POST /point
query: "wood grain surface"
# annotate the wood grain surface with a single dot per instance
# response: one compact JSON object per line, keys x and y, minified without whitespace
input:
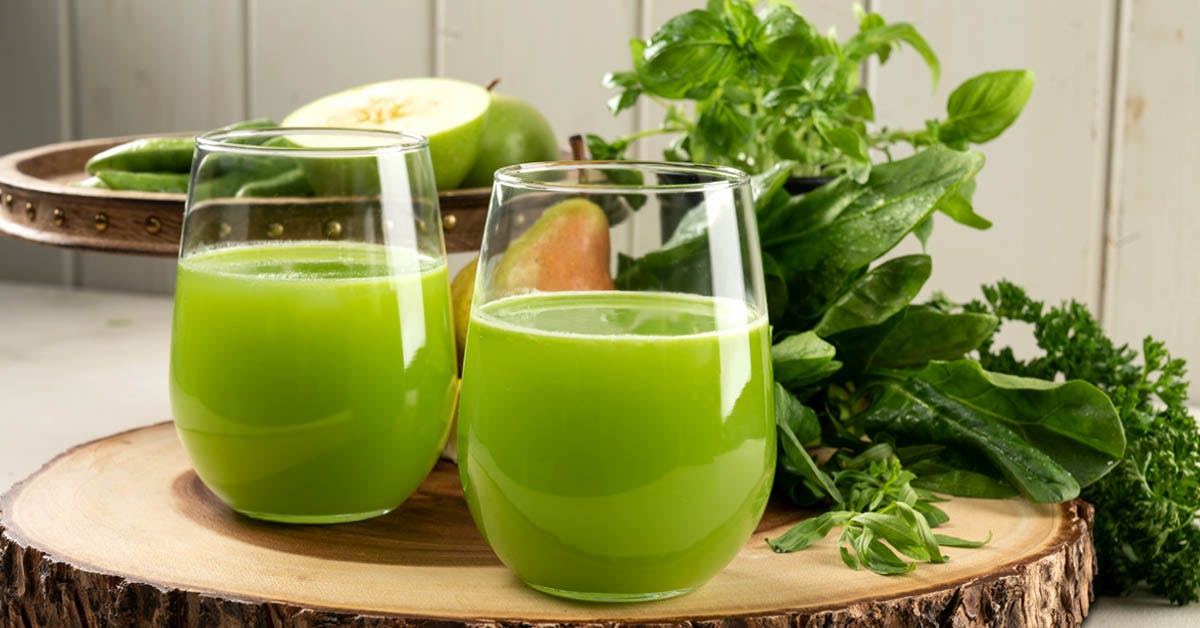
{"x":121,"y":531}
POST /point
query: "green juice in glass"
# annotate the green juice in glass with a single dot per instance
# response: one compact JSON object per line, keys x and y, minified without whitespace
{"x":312,"y":382}
{"x":616,"y":445}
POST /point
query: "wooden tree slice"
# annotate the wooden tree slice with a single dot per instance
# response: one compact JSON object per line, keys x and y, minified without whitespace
{"x":121,"y":532}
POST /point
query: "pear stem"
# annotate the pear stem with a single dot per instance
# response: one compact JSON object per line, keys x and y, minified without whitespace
{"x":578,"y":148}
{"x":492,"y":85}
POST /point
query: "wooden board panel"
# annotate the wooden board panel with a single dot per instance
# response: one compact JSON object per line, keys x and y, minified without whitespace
{"x":1154,"y":284}
{"x":31,"y":112}
{"x":1044,"y":184}
{"x":145,"y":66}
{"x":302,"y":49}
{"x":552,"y":53}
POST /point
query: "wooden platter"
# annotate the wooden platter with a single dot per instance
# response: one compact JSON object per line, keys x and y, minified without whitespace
{"x":120,"y":531}
{"x":38,"y":203}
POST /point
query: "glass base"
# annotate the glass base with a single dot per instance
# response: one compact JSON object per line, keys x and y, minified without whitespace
{"x":314,"y":519}
{"x":614,"y":598}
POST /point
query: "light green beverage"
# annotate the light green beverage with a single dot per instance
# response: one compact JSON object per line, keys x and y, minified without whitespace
{"x":313,"y":381}
{"x":616,"y":445}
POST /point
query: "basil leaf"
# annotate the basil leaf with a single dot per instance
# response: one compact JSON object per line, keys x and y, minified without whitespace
{"x":720,"y":132}
{"x":877,"y":296}
{"x":985,"y":105}
{"x":880,"y":39}
{"x":803,"y":359}
{"x":783,"y":34}
{"x":688,"y":56}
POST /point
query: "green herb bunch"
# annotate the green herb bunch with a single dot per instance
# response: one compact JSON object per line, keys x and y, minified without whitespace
{"x":1146,"y":528}
{"x":884,"y":404}
{"x":752,"y":89}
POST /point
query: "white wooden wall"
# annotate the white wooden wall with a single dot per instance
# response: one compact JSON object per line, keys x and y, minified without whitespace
{"x":1091,"y":192}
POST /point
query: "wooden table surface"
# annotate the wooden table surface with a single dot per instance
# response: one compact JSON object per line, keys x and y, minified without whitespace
{"x":77,"y":365}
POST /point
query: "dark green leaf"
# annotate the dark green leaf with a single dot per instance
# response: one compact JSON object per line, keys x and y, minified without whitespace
{"x":688,"y":56}
{"x":796,"y":460}
{"x":962,"y":483}
{"x":985,"y":105}
{"x":803,"y":359}
{"x":775,"y":285}
{"x":799,"y":418}
{"x":1073,"y":421}
{"x":877,"y":296}
{"x":1042,"y":436}
{"x":926,"y":333}
{"x":843,"y":226}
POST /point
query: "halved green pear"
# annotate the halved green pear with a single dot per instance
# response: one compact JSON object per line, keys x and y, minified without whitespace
{"x":449,"y":112}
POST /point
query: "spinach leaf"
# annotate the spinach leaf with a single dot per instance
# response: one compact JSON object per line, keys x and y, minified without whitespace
{"x":802,"y":360}
{"x":795,"y":416}
{"x":790,"y":416}
{"x":834,"y":231}
{"x":1047,"y":439}
{"x":961,"y":483}
{"x":927,"y":333}
{"x":877,"y":296}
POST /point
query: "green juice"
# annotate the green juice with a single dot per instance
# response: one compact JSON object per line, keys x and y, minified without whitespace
{"x":616,"y":445}
{"x":312,"y":382}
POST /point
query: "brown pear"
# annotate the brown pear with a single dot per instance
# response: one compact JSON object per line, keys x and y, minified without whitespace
{"x":566,"y":249}
{"x":462,"y":289}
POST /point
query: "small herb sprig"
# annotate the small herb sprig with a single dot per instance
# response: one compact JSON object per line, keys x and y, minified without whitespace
{"x":882,"y":516}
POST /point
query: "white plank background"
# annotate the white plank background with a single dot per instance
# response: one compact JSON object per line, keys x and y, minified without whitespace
{"x":1154,"y":285}
{"x":1090,"y":192}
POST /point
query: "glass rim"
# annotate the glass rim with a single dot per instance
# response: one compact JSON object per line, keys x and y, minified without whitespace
{"x":720,"y":177}
{"x":398,"y":142}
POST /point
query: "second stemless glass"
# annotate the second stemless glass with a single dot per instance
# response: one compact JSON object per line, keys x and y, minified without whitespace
{"x":312,"y":360}
{"x":616,"y":429}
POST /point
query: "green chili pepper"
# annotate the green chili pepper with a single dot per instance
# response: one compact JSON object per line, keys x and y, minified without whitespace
{"x":256,"y":123}
{"x":155,"y":154}
{"x":92,"y":182}
{"x":171,"y":182}
{"x":291,"y":183}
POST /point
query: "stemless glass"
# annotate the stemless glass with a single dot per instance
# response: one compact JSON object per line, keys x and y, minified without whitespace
{"x":312,"y":358}
{"x":616,"y":431}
